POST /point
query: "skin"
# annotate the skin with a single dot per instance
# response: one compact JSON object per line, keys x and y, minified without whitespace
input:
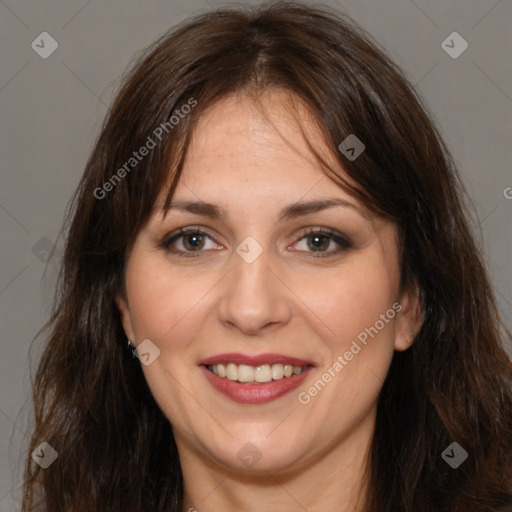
{"x":312,"y":455}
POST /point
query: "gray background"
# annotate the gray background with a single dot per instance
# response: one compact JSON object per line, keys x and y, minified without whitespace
{"x":51,"y":111}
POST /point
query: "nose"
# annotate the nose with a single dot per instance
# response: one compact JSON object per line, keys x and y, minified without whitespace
{"x":254,"y":298}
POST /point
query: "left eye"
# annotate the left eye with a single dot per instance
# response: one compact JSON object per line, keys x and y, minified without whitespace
{"x":193,"y":240}
{"x":318,"y":240}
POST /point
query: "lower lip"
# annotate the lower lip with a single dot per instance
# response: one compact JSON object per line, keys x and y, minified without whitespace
{"x":255,"y":393}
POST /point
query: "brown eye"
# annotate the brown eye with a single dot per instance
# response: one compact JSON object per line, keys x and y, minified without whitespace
{"x":320,"y":239}
{"x":319,"y":242}
{"x":187,"y":241}
{"x":193,"y":241}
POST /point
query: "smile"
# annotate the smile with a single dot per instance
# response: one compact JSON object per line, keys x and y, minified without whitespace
{"x":255,"y":374}
{"x":255,"y":379}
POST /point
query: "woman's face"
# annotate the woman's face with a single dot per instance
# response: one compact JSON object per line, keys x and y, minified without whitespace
{"x":248,"y":292}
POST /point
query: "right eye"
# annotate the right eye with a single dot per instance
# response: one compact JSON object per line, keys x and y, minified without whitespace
{"x":192,"y":240}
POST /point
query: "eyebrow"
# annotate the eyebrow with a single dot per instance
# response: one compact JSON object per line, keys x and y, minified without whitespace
{"x":290,"y":211}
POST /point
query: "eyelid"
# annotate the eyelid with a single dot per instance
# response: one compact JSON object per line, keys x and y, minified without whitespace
{"x":333,"y":233}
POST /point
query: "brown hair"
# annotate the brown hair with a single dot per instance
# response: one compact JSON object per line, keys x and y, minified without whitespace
{"x":91,"y":401}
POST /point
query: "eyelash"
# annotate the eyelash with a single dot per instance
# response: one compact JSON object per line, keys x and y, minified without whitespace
{"x":342,"y":240}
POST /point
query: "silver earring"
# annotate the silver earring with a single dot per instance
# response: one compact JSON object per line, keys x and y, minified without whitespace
{"x":411,"y":334}
{"x":131,"y":348}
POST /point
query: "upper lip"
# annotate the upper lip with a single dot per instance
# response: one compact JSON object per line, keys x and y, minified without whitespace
{"x":255,"y":360}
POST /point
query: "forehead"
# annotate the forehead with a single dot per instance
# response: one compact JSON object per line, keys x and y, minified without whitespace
{"x":255,"y":115}
{"x":265,"y":140}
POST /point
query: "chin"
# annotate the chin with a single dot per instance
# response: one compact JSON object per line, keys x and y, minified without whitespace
{"x":258,"y":452}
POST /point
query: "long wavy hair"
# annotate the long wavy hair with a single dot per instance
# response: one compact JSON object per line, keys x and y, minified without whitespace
{"x":90,"y":398}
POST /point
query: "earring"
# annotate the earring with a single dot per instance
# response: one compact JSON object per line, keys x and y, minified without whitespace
{"x":411,"y":334}
{"x":131,"y":348}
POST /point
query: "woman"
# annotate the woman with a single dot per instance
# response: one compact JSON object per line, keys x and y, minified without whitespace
{"x":271,"y":298}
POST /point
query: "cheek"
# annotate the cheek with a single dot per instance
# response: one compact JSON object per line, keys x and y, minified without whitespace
{"x":352,"y":301}
{"x":358,"y":334}
{"x":165,"y":305}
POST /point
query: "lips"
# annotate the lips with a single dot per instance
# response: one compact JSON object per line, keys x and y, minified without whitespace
{"x":256,"y":360}
{"x":255,"y":392}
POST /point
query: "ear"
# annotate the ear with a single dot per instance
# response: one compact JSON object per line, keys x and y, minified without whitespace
{"x":126,"y":317}
{"x":409,"y":319}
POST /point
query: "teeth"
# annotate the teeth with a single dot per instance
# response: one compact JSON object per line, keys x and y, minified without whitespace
{"x":245,"y":373}
{"x":221,"y":370}
{"x":277,"y":371}
{"x":263,"y":373}
{"x":232,"y":371}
